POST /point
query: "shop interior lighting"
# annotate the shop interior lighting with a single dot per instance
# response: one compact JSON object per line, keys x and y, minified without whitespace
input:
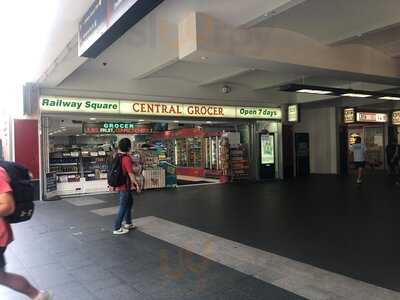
{"x":338,"y":92}
{"x":317,"y":92}
{"x":93,"y":119}
{"x":356,"y":95}
{"x":176,"y":121}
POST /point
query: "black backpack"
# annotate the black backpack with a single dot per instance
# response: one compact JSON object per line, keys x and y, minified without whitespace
{"x":23,"y":192}
{"x":116,"y":176}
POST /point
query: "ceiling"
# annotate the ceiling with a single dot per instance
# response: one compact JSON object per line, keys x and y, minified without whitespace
{"x":330,"y":21}
{"x":64,"y":29}
{"x":145,"y":63}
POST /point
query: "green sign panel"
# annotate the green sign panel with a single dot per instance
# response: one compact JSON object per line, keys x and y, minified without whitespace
{"x":259,"y":113}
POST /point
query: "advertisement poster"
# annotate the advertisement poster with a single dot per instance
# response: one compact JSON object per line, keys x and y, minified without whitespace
{"x":267,"y":149}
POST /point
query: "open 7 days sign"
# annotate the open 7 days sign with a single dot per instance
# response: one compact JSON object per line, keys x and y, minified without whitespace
{"x":140,"y":108}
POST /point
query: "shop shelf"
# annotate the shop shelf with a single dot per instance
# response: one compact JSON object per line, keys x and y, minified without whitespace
{"x":67,"y":173}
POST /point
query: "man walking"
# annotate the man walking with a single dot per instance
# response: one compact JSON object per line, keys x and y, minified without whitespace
{"x":125,"y":190}
{"x":359,"y":158}
{"x":12,"y":281}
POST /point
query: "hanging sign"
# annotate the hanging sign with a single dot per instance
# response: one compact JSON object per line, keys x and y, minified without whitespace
{"x":396,"y":118}
{"x":293,"y":113}
{"x":349,"y":115}
{"x":107,"y":20}
{"x":369,"y":117}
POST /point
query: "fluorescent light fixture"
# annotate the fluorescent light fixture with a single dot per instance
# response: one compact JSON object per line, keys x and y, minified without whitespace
{"x":209,"y":122}
{"x":141,"y":120}
{"x":389,"y":98}
{"x":317,"y":92}
{"x":92,"y":119}
{"x":176,"y":121}
{"x":356,"y":95}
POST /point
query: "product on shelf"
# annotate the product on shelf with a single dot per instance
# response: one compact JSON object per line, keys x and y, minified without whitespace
{"x":239,"y":162}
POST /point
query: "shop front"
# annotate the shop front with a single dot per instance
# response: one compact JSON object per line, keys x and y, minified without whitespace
{"x":173,"y":144}
{"x":372,"y":127}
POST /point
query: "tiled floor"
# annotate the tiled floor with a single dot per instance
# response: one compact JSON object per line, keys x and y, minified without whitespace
{"x":71,"y":251}
{"x":299,"y":278}
{"x":322,"y":238}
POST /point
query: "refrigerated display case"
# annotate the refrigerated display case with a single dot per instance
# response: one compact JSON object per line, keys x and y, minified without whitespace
{"x":216,"y":156}
{"x":188,"y":153}
{"x":181,"y":153}
{"x":212,"y":152}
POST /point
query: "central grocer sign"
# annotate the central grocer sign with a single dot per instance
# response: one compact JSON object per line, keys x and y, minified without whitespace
{"x":143,"y":108}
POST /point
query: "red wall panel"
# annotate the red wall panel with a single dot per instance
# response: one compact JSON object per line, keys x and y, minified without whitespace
{"x":26,"y":145}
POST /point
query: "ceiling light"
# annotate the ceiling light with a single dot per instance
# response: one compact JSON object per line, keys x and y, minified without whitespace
{"x":141,"y":120}
{"x":356,"y":95}
{"x":92,"y":119}
{"x":209,"y":122}
{"x":317,"y":92}
{"x":389,"y":98}
{"x":176,"y":121}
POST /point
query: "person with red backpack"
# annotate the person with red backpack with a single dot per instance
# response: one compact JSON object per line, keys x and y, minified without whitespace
{"x":10,"y":211}
{"x":122,"y":179}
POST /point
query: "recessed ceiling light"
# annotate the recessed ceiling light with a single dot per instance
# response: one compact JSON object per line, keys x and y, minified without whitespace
{"x":389,"y":98}
{"x":317,"y":92}
{"x":356,"y":95}
{"x":93,"y":119}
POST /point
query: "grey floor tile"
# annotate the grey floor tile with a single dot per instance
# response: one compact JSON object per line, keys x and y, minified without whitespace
{"x":52,"y":275}
{"x":92,"y":273}
{"x":259,"y":289}
{"x":85,"y":201}
{"x":72,"y":290}
{"x":119,"y":292}
{"x":106,"y":211}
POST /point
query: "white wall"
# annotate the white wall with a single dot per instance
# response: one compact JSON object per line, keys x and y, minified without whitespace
{"x":320,"y":123}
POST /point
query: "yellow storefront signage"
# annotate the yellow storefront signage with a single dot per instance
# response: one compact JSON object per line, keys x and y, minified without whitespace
{"x":141,"y":108}
{"x":396,"y":118}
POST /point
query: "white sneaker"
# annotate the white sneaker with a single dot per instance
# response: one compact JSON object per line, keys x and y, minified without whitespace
{"x":120,"y":231}
{"x":44,"y":295}
{"x":129,"y":226}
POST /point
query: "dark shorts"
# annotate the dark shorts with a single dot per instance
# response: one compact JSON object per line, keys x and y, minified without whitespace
{"x":359,"y":164}
{"x":2,"y":259}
